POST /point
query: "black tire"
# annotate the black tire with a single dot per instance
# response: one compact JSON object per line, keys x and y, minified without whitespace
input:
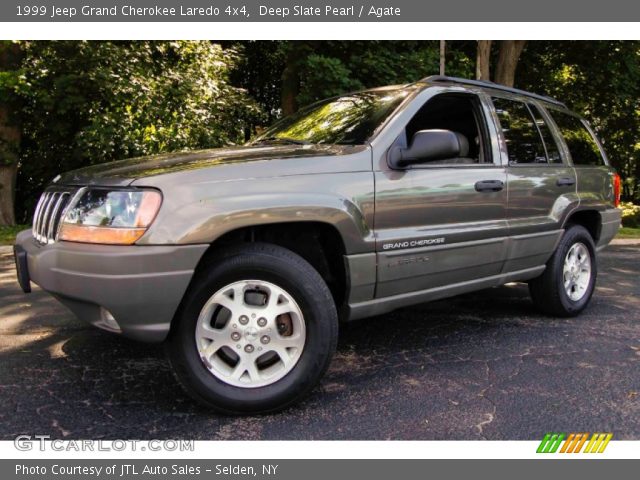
{"x":277,"y":265}
{"x":548,"y":292}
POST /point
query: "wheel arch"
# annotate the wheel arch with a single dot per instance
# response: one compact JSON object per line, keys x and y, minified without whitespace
{"x":207,"y":220}
{"x":590,"y":219}
{"x":319,"y":243}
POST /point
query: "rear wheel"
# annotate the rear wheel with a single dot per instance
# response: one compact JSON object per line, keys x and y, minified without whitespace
{"x":256,"y":332}
{"x":567,"y":284}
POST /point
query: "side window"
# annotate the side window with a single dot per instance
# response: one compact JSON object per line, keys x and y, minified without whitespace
{"x":582,"y":146}
{"x":458,"y":113}
{"x":524,"y":144}
{"x":553,"y":153}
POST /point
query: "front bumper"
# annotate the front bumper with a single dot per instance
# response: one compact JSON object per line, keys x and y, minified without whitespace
{"x":140,"y":286}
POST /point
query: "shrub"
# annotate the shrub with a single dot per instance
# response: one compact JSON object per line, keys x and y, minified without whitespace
{"x":630,"y":215}
{"x":91,"y":102}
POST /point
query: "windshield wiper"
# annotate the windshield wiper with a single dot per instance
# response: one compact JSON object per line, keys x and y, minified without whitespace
{"x":288,"y":140}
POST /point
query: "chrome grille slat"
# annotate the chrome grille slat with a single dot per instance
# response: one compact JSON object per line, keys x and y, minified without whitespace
{"x":36,"y":215}
{"x":64,"y":203}
{"x":54,"y":215}
{"x":45,"y":198}
{"x":45,"y":204}
{"x":45,"y":217}
{"x":48,"y":214}
{"x":36,"y":221}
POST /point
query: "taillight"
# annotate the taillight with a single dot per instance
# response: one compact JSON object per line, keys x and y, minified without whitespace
{"x":616,"y":189}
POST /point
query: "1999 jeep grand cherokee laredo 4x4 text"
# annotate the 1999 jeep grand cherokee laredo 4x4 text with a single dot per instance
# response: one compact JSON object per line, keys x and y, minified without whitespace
{"x":244,"y":259}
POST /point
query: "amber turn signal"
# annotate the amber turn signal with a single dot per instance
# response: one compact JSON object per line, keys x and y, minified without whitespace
{"x":105,"y":235}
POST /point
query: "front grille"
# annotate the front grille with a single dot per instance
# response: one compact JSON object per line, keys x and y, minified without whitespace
{"x":48,"y":214}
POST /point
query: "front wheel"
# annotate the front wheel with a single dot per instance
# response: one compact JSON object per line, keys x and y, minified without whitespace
{"x":566,"y":286}
{"x":256,"y":331}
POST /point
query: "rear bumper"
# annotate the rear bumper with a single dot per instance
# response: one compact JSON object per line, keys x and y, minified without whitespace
{"x":611,"y":220}
{"x":140,"y":286}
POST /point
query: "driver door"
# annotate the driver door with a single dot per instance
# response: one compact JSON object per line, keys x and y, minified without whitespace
{"x":442,"y":223}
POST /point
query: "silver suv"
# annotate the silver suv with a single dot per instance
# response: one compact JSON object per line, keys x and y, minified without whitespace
{"x":244,"y":260}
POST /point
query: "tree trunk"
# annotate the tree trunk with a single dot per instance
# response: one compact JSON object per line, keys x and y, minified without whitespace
{"x":483,"y":60}
{"x":10,"y":55}
{"x":8,"y":174}
{"x":508,"y":57}
{"x":290,"y":82}
{"x":442,"y":57}
{"x":636,"y":184}
{"x":9,"y":145}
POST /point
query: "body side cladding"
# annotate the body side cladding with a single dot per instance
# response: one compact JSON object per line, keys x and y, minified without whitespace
{"x":361,"y":277}
{"x":379,"y":306}
{"x":524,"y":258}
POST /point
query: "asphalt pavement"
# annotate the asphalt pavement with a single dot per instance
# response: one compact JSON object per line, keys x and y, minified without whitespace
{"x":485,"y":365}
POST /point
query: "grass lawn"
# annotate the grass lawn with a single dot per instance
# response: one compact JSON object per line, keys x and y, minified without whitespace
{"x":626,"y":232}
{"x":8,"y":234}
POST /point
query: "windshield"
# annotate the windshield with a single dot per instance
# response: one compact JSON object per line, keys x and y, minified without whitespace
{"x":348,"y":120}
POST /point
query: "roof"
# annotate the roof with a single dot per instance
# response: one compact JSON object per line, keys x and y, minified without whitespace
{"x":486,"y":84}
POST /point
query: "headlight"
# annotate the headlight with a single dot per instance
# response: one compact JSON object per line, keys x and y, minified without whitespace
{"x":110,"y":216}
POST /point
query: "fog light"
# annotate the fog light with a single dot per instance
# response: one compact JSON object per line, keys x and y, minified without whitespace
{"x":108,"y":320}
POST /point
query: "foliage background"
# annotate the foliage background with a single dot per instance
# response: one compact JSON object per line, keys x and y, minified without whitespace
{"x":80,"y":103}
{"x":86,"y":103}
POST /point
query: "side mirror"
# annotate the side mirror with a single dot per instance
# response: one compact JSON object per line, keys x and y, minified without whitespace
{"x":428,"y":146}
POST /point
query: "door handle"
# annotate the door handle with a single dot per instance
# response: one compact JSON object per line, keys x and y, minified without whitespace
{"x":489,"y":186}
{"x":566,"y":182}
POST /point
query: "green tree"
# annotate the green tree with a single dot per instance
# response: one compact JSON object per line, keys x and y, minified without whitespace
{"x":90,"y":102}
{"x":259,"y":71}
{"x":311,"y":70}
{"x":70,"y":104}
{"x":601,"y":80}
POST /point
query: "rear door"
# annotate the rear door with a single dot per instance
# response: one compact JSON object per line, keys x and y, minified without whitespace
{"x":588,"y":159}
{"x":541,"y":185}
{"x":442,"y":223}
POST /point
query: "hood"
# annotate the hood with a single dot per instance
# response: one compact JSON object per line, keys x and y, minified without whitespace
{"x":124,"y":172}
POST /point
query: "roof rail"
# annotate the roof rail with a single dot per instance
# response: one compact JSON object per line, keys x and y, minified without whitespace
{"x":488,"y":84}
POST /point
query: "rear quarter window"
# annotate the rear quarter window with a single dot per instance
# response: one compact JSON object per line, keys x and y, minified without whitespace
{"x":582,"y":146}
{"x":524,"y":143}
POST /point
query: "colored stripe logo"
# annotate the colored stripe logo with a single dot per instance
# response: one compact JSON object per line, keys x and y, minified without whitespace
{"x":574,"y":443}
